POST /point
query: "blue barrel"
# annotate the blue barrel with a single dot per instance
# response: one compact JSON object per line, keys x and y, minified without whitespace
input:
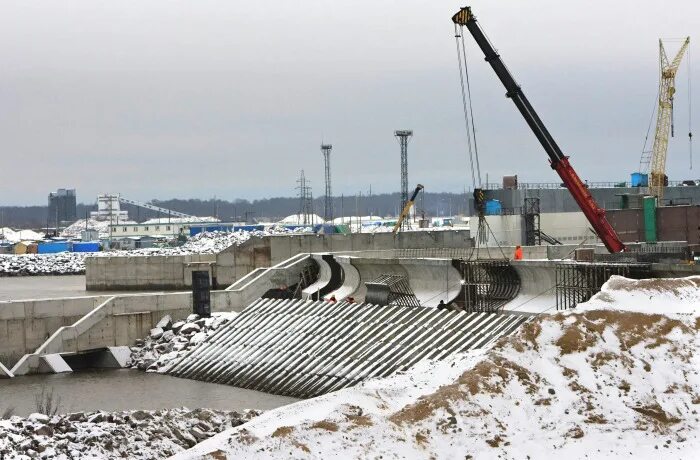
{"x":493,"y":208}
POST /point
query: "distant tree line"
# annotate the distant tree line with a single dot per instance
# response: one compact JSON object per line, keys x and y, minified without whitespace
{"x":268,"y":209}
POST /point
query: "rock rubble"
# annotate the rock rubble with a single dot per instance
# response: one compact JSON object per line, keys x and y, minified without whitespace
{"x":138,"y":434}
{"x":73,"y":263}
{"x":64,"y":263}
{"x":169,"y":340}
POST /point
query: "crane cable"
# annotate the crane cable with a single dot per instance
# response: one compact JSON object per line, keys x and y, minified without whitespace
{"x":484,"y":229}
{"x":471,"y":111}
{"x":476,"y":174}
{"x":690,"y":113}
{"x":645,"y":158}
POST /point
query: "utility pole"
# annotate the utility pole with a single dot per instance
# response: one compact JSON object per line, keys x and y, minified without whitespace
{"x":328,"y":200}
{"x":305,"y":199}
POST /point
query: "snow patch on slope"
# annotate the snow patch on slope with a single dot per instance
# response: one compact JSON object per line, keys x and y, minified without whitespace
{"x":655,"y":295}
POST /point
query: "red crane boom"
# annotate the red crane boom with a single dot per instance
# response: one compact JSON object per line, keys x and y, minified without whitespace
{"x":559,"y":162}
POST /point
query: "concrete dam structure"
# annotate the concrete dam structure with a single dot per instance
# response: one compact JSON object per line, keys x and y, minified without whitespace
{"x":305,"y":348}
{"x":38,"y":336}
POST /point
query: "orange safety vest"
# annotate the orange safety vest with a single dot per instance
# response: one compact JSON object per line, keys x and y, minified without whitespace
{"x":518,"y":253}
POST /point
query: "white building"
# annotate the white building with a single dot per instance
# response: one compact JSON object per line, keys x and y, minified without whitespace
{"x":108,"y":209}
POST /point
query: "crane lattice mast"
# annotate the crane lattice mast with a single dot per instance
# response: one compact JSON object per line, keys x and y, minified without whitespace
{"x":664,"y":118}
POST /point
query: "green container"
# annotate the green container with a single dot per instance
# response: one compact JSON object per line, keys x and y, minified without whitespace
{"x":649,"y":219}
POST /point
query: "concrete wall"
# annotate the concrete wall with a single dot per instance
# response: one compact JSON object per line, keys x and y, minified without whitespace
{"x":144,"y":272}
{"x":567,"y":227}
{"x":174,"y":272}
{"x":505,"y":230}
{"x":285,"y":246}
{"x":26,"y":325}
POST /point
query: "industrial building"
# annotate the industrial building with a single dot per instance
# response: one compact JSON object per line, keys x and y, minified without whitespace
{"x":553,"y":197}
{"x":108,"y":208}
{"x":62,"y":207}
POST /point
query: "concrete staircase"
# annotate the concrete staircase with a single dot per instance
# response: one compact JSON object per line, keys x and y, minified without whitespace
{"x":306,"y":348}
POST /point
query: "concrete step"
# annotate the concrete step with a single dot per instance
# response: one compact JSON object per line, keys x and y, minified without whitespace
{"x":306,"y":348}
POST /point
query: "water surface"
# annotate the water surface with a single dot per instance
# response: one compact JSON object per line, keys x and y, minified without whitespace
{"x":126,"y":389}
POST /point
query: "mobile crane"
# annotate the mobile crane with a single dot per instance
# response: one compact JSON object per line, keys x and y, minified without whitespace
{"x":559,"y":162}
{"x":407,"y":208}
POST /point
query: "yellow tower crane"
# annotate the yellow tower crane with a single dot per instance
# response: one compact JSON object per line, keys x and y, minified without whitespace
{"x":664,"y":118}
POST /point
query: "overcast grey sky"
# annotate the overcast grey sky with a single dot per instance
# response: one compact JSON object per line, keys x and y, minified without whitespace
{"x":171,"y":98}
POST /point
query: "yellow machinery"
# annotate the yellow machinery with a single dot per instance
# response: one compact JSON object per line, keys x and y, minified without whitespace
{"x":407,"y":208}
{"x":664,"y":118}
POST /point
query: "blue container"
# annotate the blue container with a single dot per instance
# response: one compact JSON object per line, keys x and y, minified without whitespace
{"x":89,"y":246}
{"x":640,"y":180}
{"x":53,"y":248}
{"x":493,"y":208}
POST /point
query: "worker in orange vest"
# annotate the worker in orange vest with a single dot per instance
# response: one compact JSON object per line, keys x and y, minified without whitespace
{"x":518,"y":253}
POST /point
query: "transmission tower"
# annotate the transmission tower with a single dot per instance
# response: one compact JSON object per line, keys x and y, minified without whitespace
{"x":328,"y":202}
{"x":404,"y":136}
{"x":306,"y":201}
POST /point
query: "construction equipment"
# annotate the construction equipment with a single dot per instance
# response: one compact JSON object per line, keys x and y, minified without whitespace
{"x":664,"y":120}
{"x":559,"y":162}
{"x":407,"y":208}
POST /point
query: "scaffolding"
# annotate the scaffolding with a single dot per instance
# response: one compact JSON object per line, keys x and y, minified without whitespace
{"x":531,"y":215}
{"x":578,"y":282}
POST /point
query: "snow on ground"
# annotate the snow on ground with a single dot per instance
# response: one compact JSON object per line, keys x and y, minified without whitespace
{"x":604,"y":381}
{"x":69,"y":263}
{"x":206,"y":243}
{"x":648,"y":295}
{"x":136,"y":434}
{"x":169,"y":341}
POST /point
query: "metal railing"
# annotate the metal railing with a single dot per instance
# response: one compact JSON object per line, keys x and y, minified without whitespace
{"x":424,"y":253}
{"x":560,"y":185}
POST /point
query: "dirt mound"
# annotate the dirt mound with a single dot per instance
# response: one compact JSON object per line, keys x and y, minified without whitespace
{"x":591,"y":383}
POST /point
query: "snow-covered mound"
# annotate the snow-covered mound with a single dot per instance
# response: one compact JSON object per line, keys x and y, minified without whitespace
{"x":75,"y":230}
{"x":666,"y":296}
{"x":206,"y":243}
{"x":169,"y":341}
{"x":138,"y":434}
{"x":595,"y":383}
{"x":63,"y":263}
{"x":298,"y":219}
{"x":66,"y":263}
{"x":15,"y":236}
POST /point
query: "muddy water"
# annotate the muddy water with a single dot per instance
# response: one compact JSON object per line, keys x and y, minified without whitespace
{"x":125,"y":389}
